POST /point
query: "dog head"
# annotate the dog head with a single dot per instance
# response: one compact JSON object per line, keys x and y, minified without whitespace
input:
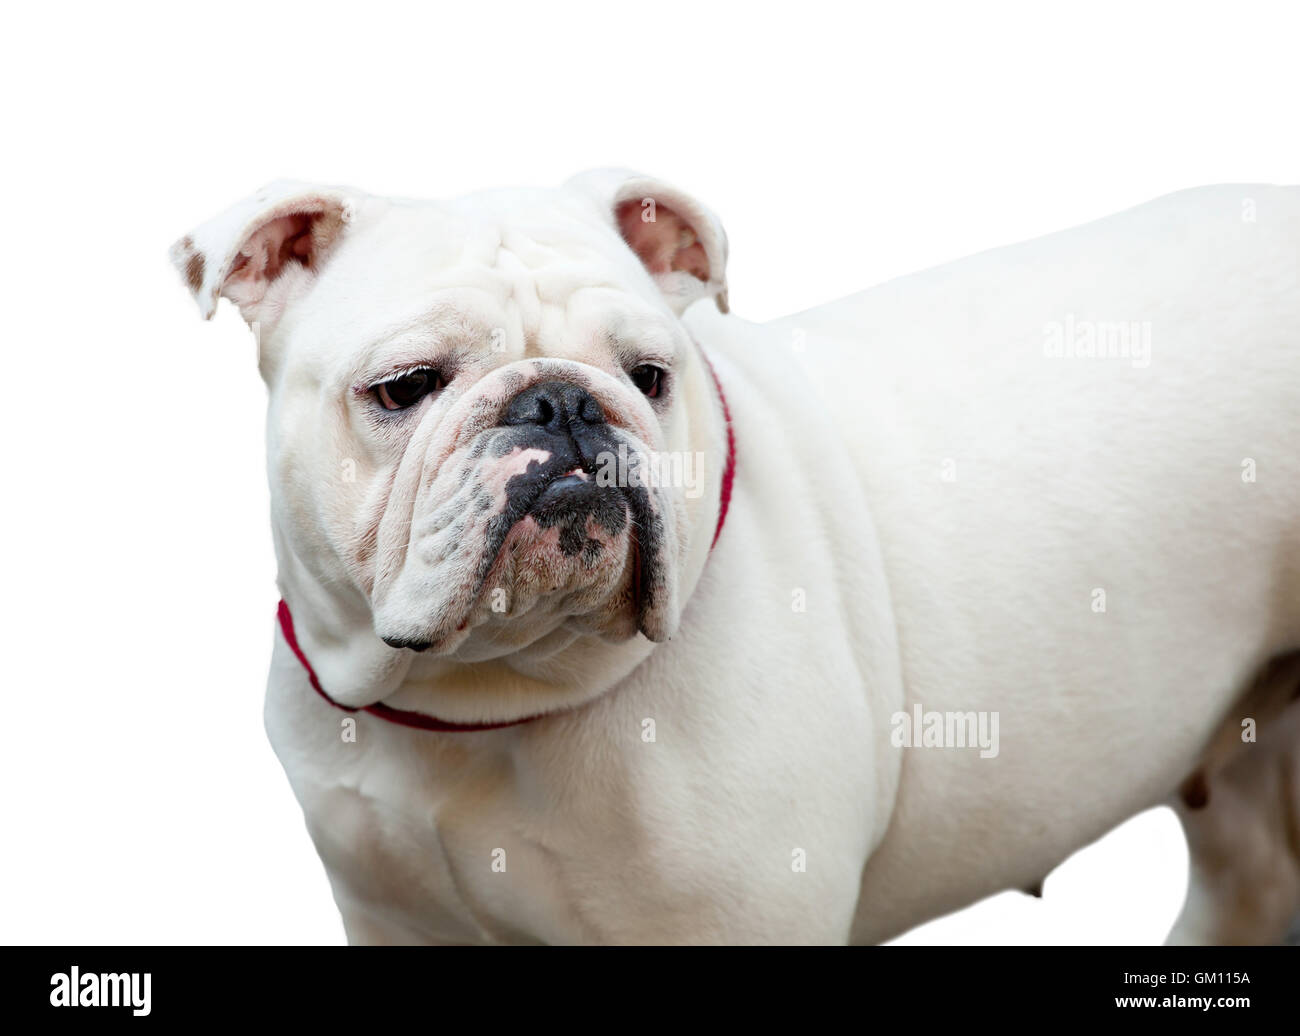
{"x":490,"y":435}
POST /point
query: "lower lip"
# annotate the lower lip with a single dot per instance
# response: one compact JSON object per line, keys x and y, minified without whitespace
{"x":563,"y":483}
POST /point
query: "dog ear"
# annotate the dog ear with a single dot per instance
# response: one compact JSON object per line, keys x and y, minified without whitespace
{"x":679,"y":241}
{"x":261,"y":250}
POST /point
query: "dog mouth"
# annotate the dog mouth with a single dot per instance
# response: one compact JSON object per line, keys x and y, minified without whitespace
{"x":588,"y":518}
{"x":571,"y":503}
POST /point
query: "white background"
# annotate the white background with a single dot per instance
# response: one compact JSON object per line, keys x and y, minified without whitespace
{"x":842,"y":145}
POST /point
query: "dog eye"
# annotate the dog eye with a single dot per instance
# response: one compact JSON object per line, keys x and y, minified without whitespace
{"x":409,"y":389}
{"x":648,"y":378}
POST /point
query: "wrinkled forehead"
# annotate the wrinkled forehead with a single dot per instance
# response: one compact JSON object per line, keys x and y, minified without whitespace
{"x":502,"y":267}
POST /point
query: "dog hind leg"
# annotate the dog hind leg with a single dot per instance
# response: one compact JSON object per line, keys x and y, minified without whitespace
{"x":1241,"y":814}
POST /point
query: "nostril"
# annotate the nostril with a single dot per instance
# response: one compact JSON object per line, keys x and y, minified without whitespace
{"x":553,"y":405}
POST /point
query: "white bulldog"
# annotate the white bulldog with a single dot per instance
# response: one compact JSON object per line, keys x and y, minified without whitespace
{"x":609,"y":622}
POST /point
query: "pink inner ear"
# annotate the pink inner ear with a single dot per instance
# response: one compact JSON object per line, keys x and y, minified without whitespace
{"x":282,"y":240}
{"x":665,"y":242}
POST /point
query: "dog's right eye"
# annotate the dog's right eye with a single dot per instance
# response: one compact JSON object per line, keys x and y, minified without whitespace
{"x":407,"y":390}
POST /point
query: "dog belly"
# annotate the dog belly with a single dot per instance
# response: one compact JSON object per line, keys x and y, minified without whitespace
{"x":1101,"y":549}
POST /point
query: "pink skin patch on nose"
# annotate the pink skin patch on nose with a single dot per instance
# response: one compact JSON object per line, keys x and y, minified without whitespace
{"x":514,"y":463}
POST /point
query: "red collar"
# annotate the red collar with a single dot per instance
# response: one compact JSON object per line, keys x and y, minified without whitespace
{"x":728,"y":472}
{"x":407,"y":718}
{"x":403,"y":717}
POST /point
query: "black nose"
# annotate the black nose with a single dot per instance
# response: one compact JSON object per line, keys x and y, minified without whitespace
{"x":556,"y":406}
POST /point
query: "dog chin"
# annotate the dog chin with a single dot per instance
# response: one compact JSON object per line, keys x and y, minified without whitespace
{"x":581,"y":571}
{"x":548,"y":575}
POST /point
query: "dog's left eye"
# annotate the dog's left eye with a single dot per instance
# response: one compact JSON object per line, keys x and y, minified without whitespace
{"x":407,"y":390}
{"x":648,"y":378}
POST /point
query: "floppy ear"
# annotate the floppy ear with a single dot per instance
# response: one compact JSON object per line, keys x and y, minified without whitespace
{"x":260,"y":249}
{"x":679,"y":241}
